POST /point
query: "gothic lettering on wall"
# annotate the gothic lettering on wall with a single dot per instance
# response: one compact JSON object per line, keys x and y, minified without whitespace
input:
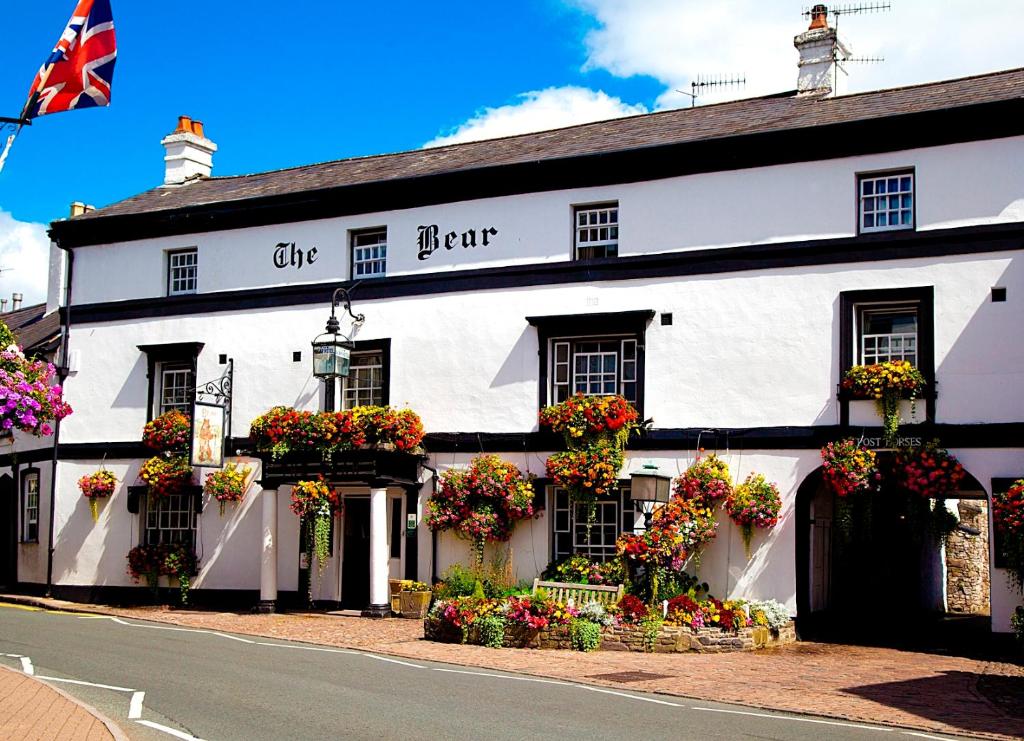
{"x":430,"y":239}
{"x":286,"y":254}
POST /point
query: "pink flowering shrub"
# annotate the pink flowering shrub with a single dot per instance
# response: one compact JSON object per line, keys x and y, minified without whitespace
{"x":28,"y":401}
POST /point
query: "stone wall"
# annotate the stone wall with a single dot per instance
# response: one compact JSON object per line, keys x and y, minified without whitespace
{"x":670,"y":638}
{"x":967,"y":572}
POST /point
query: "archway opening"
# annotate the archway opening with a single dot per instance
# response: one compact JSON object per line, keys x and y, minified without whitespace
{"x":879,"y":569}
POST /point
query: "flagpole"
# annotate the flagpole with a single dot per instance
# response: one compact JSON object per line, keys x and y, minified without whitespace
{"x":16,"y":124}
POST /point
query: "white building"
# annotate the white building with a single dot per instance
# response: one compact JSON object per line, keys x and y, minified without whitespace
{"x":725,"y":263}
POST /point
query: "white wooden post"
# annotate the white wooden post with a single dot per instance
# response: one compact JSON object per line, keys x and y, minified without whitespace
{"x":268,"y":554}
{"x":379,"y":605}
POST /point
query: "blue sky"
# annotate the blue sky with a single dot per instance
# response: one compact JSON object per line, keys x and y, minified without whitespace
{"x":293,"y":83}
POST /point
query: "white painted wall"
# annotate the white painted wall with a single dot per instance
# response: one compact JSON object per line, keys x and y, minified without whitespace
{"x":957,"y":185}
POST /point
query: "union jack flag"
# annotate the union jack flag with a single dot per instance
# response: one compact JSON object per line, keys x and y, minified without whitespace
{"x":80,"y":70}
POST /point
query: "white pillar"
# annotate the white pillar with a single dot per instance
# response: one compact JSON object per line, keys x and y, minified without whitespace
{"x":268,"y":553}
{"x":379,"y":605}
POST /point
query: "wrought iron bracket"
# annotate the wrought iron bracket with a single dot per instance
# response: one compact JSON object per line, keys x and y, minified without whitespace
{"x":220,"y":391}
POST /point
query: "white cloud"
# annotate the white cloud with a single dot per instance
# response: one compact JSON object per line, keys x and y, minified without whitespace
{"x":539,"y":110}
{"x":24,"y":259}
{"x":674,"y":41}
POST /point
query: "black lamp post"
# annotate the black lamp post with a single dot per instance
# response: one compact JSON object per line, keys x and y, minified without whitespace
{"x":332,"y":350}
{"x":650,"y":487}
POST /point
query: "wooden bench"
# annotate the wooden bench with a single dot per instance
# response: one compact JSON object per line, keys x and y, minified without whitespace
{"x":580,"y":594}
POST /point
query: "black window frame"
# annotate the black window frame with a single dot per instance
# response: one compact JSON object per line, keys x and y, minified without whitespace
{"x":183,"y":353}
{"x":851,"y":302}
{"x":621,"y":497}
{"x":191,"y":496}
{"x":577,"y":327}
{"x":23,"y":478}
{"x":891,"y":172}
{"x":332,"y":389}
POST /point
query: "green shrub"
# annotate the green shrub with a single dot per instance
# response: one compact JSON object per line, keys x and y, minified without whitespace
{"x":584,"y":635}
{"x":492,"y":631}
{"x":650,"y":626}
{"x":456,"y":581}
{"x":478,"y":590}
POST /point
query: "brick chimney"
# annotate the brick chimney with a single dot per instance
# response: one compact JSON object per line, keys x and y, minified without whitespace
{"x":189,"y":152}
{"x":821,"y":50}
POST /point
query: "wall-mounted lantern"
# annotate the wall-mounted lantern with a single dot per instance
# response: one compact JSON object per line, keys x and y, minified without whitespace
{"x":332,"y":351}
{"x":650,"y":487}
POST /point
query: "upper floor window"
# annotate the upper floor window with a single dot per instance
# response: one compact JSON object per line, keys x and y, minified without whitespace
{"x":597,"y":231}
{"x":171,"y":519}
{"x":887,"y":333}
{"x":594,"y":367}
{"x":614,"y":515}
{"x":30,"y":507}
{"x":176,"y":387}
{"x":369,"y":253}
{"x":182,"y":272}
{"x":364,"y":384}
{"x":886,"y":201}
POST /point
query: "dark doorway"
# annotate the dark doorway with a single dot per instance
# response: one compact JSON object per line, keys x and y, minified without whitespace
{"x":8,"y":532}
{"x":355,"y":570}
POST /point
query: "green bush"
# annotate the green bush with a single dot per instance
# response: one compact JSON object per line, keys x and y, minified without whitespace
{"x":456,"y":581}
{"x":584,"y":635}
{"x":492,"y":631}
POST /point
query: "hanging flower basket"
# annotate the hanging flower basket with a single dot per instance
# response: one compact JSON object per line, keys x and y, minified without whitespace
{"x":315,"y":502}
{"x":96,"y":486}
{"x":170,"y":431}
{"x":930,"y":470}
{"x":29,"y":400}
{"x":1008,"y":518}
{"x":707,"y":481}
{"x":481,"y":503}
{"x":587,"y":474}
{"x":166,"y":475}
{"x":887,"y":383}
{"x":227,"y":484}
{"x":583,"y":419}
{"x":754,"y":503}
{"x":849,"y":468}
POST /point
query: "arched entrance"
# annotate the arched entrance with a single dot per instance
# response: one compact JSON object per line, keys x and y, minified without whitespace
{"x":876,"y":572}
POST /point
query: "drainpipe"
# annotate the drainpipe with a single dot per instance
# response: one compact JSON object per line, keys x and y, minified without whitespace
{"x":433,"y":533}
{"x":62,"y":374}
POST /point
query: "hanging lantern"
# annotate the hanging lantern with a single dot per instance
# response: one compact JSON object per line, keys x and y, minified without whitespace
{"x":649,"y":487}
{"x":332,"y":351}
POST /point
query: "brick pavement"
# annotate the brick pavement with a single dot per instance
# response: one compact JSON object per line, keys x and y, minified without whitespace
{"x":877,"y":685}
{"x":33,"y":710}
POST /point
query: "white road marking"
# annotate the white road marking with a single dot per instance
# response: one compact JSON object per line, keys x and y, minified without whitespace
{"x":797,"y":719}
{"x":310,"y":648}
{"x":26,"y":665}
{"x":14,"y":656}
{"x":113,"y":687}
{"x":234,"y":638}
{"x":392,"y":661}
{"x":135,"y":706}
{"x":925,"y":735}
{"x":169,"y":731}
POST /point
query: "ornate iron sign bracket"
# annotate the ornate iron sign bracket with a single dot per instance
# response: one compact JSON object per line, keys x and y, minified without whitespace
{"x":220,"y":391}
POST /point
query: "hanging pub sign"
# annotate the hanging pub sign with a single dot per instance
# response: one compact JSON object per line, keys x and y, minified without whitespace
{"x":207,"y":435}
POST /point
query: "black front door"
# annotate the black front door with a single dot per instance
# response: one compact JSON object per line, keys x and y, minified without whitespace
{"x":8,"y":532}
{"x":355,"y":570}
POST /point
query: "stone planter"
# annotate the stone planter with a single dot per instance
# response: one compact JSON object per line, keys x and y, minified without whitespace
{"x":414,"y":604}
{"x":670,"y":638}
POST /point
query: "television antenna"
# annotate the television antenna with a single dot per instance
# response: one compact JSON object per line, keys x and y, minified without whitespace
{"x":705,"y":82}
{"x":837,"y":12}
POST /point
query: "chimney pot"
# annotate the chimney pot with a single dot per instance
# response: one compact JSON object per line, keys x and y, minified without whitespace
{"x":16,"y":301}
{"x":819,"y":17}
{"x":3,"y":305}
{"x":188,"y":153}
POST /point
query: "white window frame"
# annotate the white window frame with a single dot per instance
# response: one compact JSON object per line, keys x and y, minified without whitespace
{"x":564,"y":378}
{"x":596,"y":227}
{"x":183,"y":272}
{"x":568,"y":520}
{"x":868,"y":203}
{"x":164,"y":370}
{"x":30,"y":506}
{"x":860,"y":312}
{"x":369,"y":260}
{"x":170,"y":519}
{"x":354,"y":390}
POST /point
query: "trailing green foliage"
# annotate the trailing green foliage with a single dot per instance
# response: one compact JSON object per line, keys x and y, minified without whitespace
{"x":584,"y":635}
{"x":492,"y":630}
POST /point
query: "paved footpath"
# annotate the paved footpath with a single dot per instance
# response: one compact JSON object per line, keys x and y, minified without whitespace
{"x":31,"y":709}
{"x":937,"y":693}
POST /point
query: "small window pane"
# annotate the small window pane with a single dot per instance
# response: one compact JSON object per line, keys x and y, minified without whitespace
{"x":597,"y":232}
